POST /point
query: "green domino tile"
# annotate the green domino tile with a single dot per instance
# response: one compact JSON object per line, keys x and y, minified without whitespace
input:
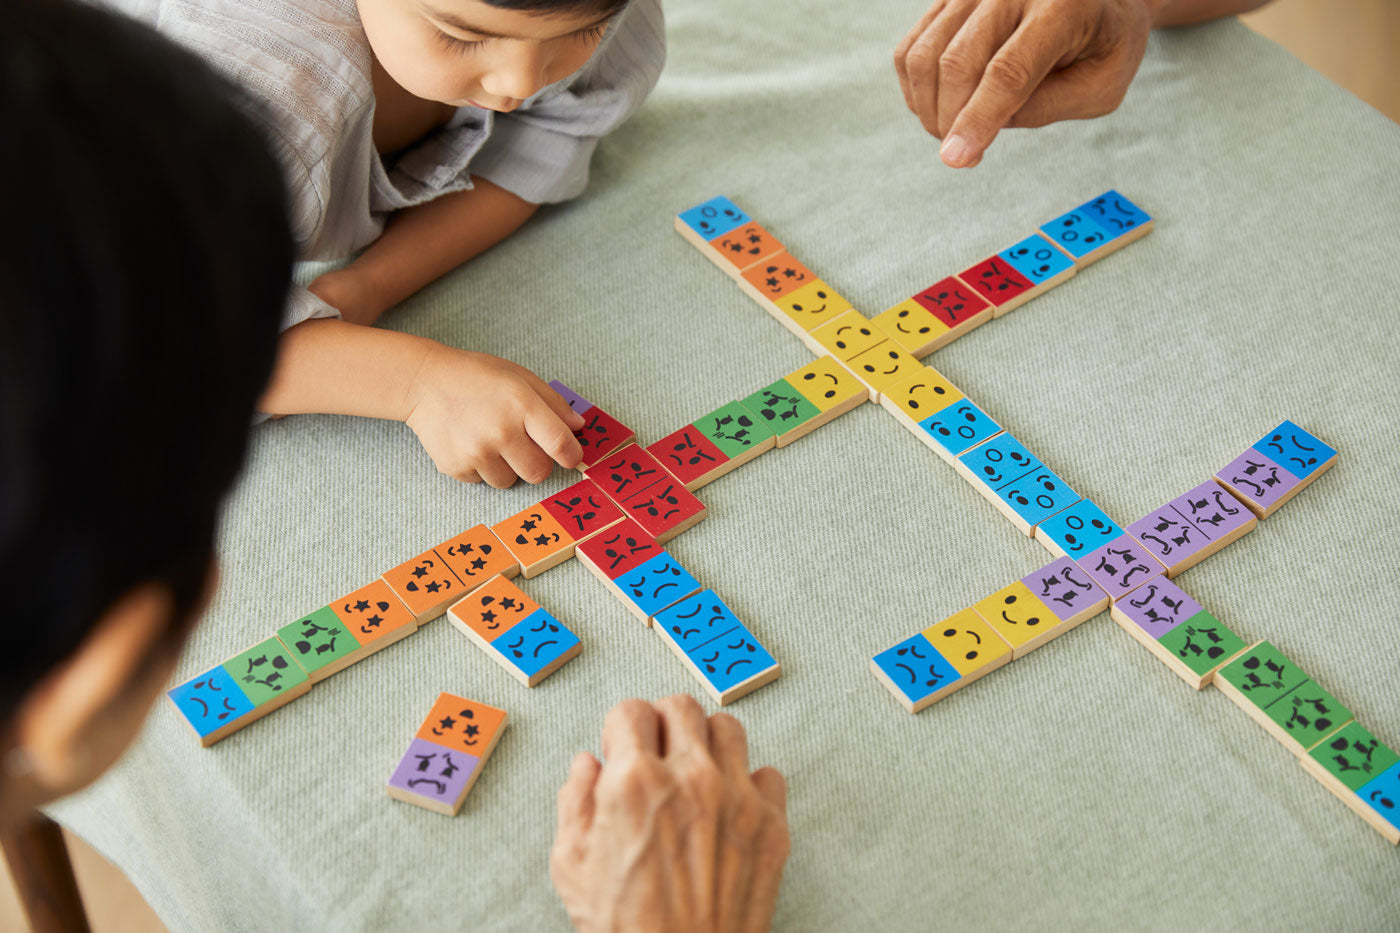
{"x":1263,"y":674}
{"x":318,"y":639}
{"x":265,"y":671}
{"x":1309,"y":714}
{"x":1202,"y":642}
{"x":780,"y":407}
{"x":1354,"y":756}
{"x":734,"y":430}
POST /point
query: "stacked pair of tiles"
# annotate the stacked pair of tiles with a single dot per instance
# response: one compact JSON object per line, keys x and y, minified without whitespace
{"x":718,"y":649}
{"x":1344,"y":756}
{"x":446,"y":755}
{"x":774,"y":416}
{"x":515,"y":631}
{"x":1002,"y":627}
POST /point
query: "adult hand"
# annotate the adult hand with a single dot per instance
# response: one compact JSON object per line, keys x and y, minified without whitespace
{"x":971,"y":67}
{"x":673,"y":833}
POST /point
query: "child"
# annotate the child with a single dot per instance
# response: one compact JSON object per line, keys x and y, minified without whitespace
{"x":423,"y":132}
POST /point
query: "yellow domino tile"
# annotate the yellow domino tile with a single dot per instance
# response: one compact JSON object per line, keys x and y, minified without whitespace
{"x":847,"y":335}
{"x":969,"y":643}
{"x":882,"y":366}
{"x":827,"y":384}
{"x":813,"y":305}
{"x":912,"y":326}
{"x":921,"y":394}
{"x":1020,"y":618}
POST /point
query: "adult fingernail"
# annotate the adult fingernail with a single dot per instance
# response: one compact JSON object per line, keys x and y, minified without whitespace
{"x":956,"y":151}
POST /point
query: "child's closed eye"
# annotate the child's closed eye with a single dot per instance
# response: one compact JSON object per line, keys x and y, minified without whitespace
{"x":455,"y":44}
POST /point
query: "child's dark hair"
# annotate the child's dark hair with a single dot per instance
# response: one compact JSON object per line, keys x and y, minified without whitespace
{"x":546,"y":7}
{"x":144,"y":265}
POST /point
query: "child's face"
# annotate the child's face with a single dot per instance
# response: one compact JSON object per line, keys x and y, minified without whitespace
{"x":467,"y":53}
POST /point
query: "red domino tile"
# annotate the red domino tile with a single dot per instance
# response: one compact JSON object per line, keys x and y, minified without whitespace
{"x":600,"y":435}
{"x":687,"y":453}
{"x":996,"y":280}
{"x":951,"y":301}
{"x":778,"y":275}
{"x":747,"y":245}
{"x":583,"y":509}
{"x":619,"y":549}
{"x":626,"y":471}
{"x":664,"y":509}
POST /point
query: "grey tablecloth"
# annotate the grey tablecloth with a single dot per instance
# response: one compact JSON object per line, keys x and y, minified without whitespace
{"x":1084,"y":786}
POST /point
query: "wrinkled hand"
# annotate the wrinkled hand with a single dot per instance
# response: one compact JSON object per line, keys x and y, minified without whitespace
{"x":484,"y":418}
{"x":972,"y":67}
{"x":673,"y":833}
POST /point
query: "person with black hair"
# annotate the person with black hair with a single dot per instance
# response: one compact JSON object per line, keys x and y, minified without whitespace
{"x":422,"y":132}
{"x":124,"y":413}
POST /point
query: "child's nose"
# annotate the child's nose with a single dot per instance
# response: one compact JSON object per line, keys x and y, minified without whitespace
{"x":517,"y":76}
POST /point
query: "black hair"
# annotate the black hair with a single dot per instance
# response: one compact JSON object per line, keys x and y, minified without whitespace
{"x":144,"y":265}
{"x":546,"y":7}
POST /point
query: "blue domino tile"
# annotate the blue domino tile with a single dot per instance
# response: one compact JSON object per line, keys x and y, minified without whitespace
{"x":535,"y":642}
{"x":731,"y":658}
{"x":1079,"y":529}
{"x":1295,"y":450}
{"x":1037,"y":495}
{"x":696,"y":620}
{"x":1036,"y":259}
{"x":211,"y":701}
{"x":959,"y":426}
{"x":715,"y":217}
{"x":1076,"y":233}
{"x":657,"y":584}
{"x":1115,"y":213}
{"x":1382,"y":794}
{"x":916,"y":668}
{"x":998,"y":461}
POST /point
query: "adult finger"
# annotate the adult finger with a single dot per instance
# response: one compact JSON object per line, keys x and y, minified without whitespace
{"x":772,"y":787}
{"x":965,"y":60}
{"x":575,"y":800}
{"x":923,"y":57}
{"x":552,"y":435}
{"x":901,"y":51}
{"x":495,"y":471}
{"x":770,"y":855}
{"x":1011,"y":76}
{"x":526,"y":458}
{"x":683,"y":727}
{"x":1086,"y":89}
{"x":632,"y":726}
{"x":730,"y":746}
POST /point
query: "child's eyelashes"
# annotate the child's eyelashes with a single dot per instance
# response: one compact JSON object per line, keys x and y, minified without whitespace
{"x":462,"y":46}
{"x":592,"y":33}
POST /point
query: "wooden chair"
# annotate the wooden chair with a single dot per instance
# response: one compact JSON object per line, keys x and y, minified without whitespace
{"x":43,"y":873}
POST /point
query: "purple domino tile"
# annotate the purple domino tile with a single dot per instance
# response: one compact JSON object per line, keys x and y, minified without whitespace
{"x":1167,"y":534}
{"x":1121,"y":566}
{"x":434,"y":771}
{"x":577,"y":402}
{"x":1065,"y":588}
{"x":1213,"y":510}
{"x":1158,"y":606}
{"x":1257,"y":479}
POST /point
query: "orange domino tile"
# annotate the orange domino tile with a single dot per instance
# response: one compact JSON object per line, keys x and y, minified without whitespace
{"x":476,"y":555}
{"x":462,"y":725}
{"x":745,"y":246}
{"x":778,"y":275}
{"x":536,"y":539}
{"x":425,"y":584}
{"x":491,"y":609}
{"x":373,"y":614}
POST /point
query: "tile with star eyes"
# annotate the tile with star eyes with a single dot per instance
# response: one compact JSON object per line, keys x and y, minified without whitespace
{"x":619,"y":550}
{"x":955,"y":304}
{"x":915,"y":673}
{"x":535,"y":648}
{"x":536,"y":539}
{"x":971,"y":645}
{"x":742,"y":247}
{"x":1258,"y":482}
{"x":809,"y":307}
{"x":490,"y":610}
{"x":996,"y":281}
{"x":600,"y":435}
{"x":1297,"y":451}
{"x":913,"y":327}
{"x":476,"y":555}
{"x":1380,"y":803}
{"x":462,"y":724}
{"x":952,"y":430}
{"x":1077,"y":530}
{"x":375,"y":616}
{"x":736,"y":432}
{"x":1258,"y":678}
{"x":1066,"y":589}
{"x":994,"y":463}
{"x":709,"y":219}
{"x":583,"y":509}
{"x":652,"y":586}
{"x":426,"y":585}
{"x":883,"y":366}
{"x":774,"y":277}
{"x":730,"y":666}
{"x":626,"y":471}
{"x":921,"y":394}
{"x":212,"y":704}
{"x":1348,"y":760}
{"x":1121,"y":566}
{"x":1217,"y":513}
{"x":664,"y":509}
{"x":1022,"y":620}
{"x":785,"y":411}
{"x":1032,"y":498}
{"x":320,"y":643}
{"x":691,"y":457}
{"x":846,"y":336}
{"x":828,"y":385}
{"x":1039,"y":262}
{"x":1304,"y":717}
{"x":1194,"y":650}
{"x":446,"y":755}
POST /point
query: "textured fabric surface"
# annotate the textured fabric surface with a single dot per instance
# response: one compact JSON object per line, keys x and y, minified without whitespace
{"x":1084,"y":786}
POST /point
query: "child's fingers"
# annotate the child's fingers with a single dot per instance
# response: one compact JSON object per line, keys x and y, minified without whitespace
{"x":556,"y":403}
{"x":528,"y":461}
{"x":495,"y":472}
{"x":554,"y":436}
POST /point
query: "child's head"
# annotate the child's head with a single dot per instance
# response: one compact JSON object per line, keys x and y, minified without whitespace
{"x":144,"y":265}
{"x":484,"y":53}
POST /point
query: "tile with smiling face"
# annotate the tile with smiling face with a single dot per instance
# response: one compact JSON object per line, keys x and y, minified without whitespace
{"x":922,"y":393}
{"x":810,"y":306}
{"x":913,"y":327}
{"x":1021,"y":619}
{"x":882,"y":366}
{"x":969,"y":643}
{"x":828,"y":385}
{"x":1077,"y":530}
{"x":847,"y":336}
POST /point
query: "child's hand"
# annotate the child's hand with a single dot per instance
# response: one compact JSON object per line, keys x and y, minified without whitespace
{"x":484,"y":418}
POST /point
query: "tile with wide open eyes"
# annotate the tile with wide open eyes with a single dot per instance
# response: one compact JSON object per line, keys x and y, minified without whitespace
{"x":971,"y":645}
{"x":1121,"y":566}
{"x":625,"y":472}
{"x":1197,"y":649}
{"x":653,"y":585}
{"x":691,"y":457}
{"x":882,"y":366}
{"x":664,"y":509}
{"x":622,"y":548}
{"x":536,"y":540}
{"x":1066,"y":589}
{"x":426,"y":585}
{"x":1079,"y":236}
{"x":1077,"y":530}
{"x":742,"y":247}
{"x":490,"y":610}
{"x":1258,"y":678}
{"x":709,"y":219}
{"x":957,"y":305}
{"x":915,"y":673}
{"x":535,"y":647}
{"x":583,"y":509}
{"x":476,"y":555}
{"x":600,"y":435}
{"x":716,"y":647}
{"x":1034,"y":497}
{"x":774,"y":277}
{"x":809,"y":307}
{"x":736,"y":432}
{"x":1353,"y":764}
{"x":846,"y":336}
{"x":1258,"y":482}
{"x":447,"y":753}
{"x":1298,"y":452}
{"x":921,"y":394}
{"x":998,"y":282}
{"x":952,"y":430}
{"x":1380,"y":799}
{"x":913,"y":327}
{"x":1039,"y":262}
{"x":785,"y":411}
{"x":828,"y":385}
{"x":994,"y":463}
{"x":1021,"y":619}
{"x":1304,"y":717}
